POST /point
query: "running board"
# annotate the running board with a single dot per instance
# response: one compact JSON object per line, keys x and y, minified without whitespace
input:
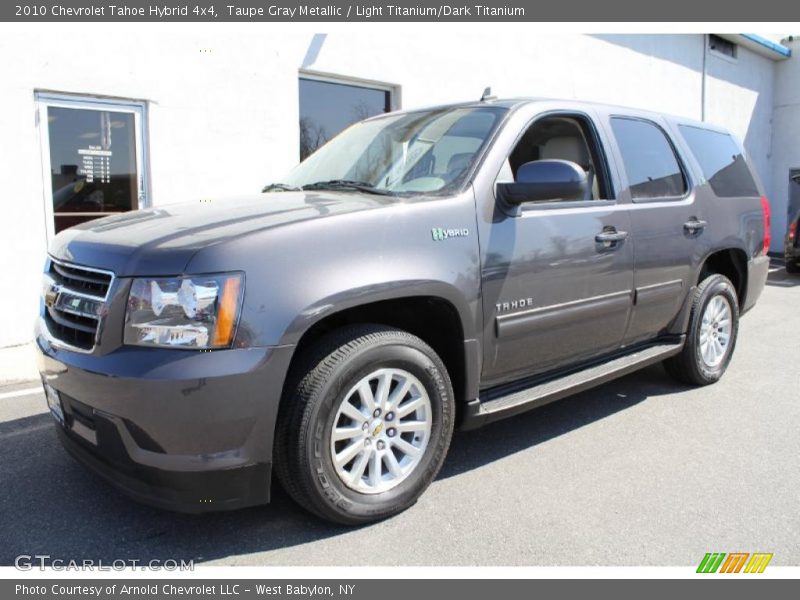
{"x":510,"y":400}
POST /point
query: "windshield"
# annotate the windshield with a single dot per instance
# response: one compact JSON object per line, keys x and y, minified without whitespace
{"x":426,"y":151}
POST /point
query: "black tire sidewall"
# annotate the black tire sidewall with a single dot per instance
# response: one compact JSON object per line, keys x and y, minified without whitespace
{"x":716,"y":285}
{"x":349,"y":504}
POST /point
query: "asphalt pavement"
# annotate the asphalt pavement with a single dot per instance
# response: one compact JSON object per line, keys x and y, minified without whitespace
{"x":641,"y":471}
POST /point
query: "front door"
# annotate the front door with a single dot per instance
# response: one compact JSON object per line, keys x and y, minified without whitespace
{"x":92,"y":158}
{"x":557,"y":275}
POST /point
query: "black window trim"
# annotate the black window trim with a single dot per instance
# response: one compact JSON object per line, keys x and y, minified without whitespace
{"x":688,"y":179}
{"x":613,"y":198}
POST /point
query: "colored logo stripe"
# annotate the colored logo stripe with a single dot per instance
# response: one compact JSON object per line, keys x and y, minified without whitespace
{"x":734,"y":562}
{"x":758,"y":563}
{"x":711,"y":562}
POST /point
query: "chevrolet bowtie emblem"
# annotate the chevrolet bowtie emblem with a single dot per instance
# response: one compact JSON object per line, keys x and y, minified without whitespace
{"x":51,"y":297}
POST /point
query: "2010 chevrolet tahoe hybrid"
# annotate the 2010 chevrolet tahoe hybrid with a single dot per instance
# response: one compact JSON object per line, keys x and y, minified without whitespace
{"x":422,"y":270}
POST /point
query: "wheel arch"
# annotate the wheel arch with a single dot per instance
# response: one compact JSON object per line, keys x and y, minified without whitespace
{"x":435,"y":319}
{"x":730,"y":262}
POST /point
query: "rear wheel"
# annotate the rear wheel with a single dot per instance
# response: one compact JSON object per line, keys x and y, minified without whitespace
{"x":792,"y":267}
{"x":713,"y":328}
{"x":365,"y":424}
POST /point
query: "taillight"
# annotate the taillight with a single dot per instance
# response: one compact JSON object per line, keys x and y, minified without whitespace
{"x":767,"y":224}
{"x":792,"y":230}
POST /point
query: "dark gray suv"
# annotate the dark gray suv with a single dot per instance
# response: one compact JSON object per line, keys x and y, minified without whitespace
{"x":424,"y":269}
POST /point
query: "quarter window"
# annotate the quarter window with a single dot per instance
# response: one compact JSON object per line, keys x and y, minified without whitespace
{"x":650,"y":162}
{"x":721,"y":161}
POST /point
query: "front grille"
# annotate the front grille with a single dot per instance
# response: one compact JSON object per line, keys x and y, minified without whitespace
{"x":75,"y":303}
{"x":79,"y":279}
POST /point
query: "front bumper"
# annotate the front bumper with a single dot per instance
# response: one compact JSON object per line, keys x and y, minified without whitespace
{"x":181,"y":430}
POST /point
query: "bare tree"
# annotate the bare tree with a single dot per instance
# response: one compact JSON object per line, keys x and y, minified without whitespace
{"x":312,"y":136}
{"x":361,"y":111}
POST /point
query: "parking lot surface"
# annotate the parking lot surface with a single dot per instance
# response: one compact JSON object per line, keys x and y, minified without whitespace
{"x":641,"y":471}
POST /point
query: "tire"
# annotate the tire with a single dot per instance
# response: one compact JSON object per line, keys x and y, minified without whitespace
{"x":314,"y":402}
{"x":692,"y":365}
{"x":792,"y":267}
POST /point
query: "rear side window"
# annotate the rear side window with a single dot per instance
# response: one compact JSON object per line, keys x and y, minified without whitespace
{"x":652,"y":168}
{"x":721,"y":160}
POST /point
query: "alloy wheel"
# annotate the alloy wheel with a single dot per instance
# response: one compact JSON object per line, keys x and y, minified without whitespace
{"x":716,"y":327}
{"x":381,"y":430}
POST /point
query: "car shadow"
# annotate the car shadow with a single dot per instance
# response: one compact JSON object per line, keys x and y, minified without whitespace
{"x":778,"y":277}
{"x":473,"y":449}
{"x":52,"y":505}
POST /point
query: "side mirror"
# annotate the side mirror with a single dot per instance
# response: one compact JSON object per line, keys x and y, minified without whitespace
{"x":540,"y":180}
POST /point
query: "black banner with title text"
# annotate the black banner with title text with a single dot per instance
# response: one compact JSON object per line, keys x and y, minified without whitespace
{"x":395,"y":11}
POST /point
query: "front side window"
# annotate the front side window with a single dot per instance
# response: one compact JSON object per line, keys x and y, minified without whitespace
{"x":562,"y":137}
{"x":417,"y":152}
{"x":721,"y":161}
{"x":328,"y":107}
{"x":650,"y":163}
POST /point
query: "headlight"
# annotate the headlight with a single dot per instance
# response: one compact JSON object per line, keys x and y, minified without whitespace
{"x":194,"y":312}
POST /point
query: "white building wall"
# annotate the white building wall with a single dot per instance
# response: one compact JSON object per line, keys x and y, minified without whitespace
{"x":739,"y":96}
{"x":223,"y":107}
{"x":222,"y":114}
{"x":658,"y":72}
{"x":785,"y":139}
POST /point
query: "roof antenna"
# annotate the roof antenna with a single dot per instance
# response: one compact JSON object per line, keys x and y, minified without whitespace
{"x":487,"y":95}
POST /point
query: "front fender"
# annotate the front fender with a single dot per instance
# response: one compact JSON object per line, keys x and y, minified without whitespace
{"x":378,"y":292}
{"x":298,"y":274}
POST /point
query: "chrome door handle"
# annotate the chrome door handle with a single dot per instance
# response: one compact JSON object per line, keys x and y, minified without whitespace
{"x":606,"y":237}
{"x":695,"y":225}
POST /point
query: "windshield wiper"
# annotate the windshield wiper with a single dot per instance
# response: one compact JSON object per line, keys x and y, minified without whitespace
{"x":347,"y":184}
{"x":281,"y":187}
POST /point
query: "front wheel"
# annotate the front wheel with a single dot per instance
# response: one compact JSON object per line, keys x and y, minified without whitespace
{"x":365,"y":424}
{"x":713,"y":328}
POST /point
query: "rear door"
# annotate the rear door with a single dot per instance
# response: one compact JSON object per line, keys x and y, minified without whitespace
{"x":667,"y":221}
{"x":554,"y":293}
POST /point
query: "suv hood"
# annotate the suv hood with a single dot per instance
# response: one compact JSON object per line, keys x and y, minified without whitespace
{"x":161,"y":241}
